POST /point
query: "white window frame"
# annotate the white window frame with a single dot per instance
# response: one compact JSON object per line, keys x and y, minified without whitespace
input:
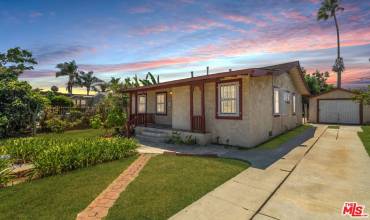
{"x":276,"y":97}
{"x":237,"y":99}
{"x":164,"y":103}
{"x":139,"y":104}
{"x":294,"y":99}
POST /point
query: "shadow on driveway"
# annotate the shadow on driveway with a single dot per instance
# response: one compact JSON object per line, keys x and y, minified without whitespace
{"x":259,"y":158}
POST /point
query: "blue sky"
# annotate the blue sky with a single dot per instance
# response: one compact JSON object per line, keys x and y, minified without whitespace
{"x":172,"y":38}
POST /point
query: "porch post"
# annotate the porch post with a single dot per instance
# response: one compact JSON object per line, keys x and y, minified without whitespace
{"x":136,"y":103}
{"x":191,"y":107}
{"x":130,"y":106}
{"x":203,"y":109}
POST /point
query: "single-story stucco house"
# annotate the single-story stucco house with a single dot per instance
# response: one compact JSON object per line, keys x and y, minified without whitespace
{"x":241,"y":108}
{"x":338,"y":107}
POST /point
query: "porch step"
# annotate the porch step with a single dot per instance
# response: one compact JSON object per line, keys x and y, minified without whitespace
{"x":154,"y":133}
{"x":156,"y":139}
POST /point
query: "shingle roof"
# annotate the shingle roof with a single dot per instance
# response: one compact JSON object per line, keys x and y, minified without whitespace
{"x":254,"y":72}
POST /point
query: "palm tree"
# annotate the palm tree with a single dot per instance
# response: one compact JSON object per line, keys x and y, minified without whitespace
{"x":114,"y":84}
{"x":327,"y":10}
{"x":87,"y":80}
{"x":101,"y":87}
{"x":69,"y":69}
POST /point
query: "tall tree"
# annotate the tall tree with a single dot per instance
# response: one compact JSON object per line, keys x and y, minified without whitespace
{"x":54,"y":88}
{"x":87,"y":80}
{"x":101,"y":87}
{"x":20,"y":105}
{"x":69,"y":69}
{"x":15,"y":61}
{"x":328,"y":9}
{"x":115,"y":84}
{"x":317,"y":82}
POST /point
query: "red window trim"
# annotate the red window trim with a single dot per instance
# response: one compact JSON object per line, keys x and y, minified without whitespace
{"x":240,"y":116}
{"x":146,"y":103}
{"x":165,"y":101}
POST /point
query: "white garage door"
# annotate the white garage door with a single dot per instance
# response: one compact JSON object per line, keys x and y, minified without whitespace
{"x":339,"y":111}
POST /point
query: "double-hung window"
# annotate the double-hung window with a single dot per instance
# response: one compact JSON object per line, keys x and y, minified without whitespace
{"x":229,"y":99}
{"x":276,"y":101}
{"x":294,"y":103}
{"x":161,"y":103}
{"x":141,"y":104}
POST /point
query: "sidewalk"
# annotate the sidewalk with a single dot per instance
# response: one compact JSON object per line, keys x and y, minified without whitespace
{"x":244,"y":195}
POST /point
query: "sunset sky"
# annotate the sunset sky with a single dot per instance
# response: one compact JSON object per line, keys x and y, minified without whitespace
{"x":171,"y":38}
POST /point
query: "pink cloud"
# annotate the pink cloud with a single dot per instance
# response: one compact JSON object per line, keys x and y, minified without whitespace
{"x":140,"y":9}
{"x":295,"y":15}
{"x":312,"y":38}
{"x":153,"y":29}
{"x":245,"y":20}
{"x":142,"y":65}
{"x":35,"y":14}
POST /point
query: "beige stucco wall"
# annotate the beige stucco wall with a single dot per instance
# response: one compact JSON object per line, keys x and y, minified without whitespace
{"x":287,"y":121}
{"x":181,"y":108}
{"x":233,"y":132}
{"x":257,"y":124}
{"x":331,"y":95}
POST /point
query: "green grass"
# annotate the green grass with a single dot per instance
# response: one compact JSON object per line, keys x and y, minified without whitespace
{"x":168,"y":184}
{"x":280,"y":139}
{"x":333,"y":126}
{"x":61,"y":196}
{"x":365,"y":137}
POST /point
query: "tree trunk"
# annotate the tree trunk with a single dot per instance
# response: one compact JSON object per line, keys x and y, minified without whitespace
{"x":87,"y":90}
{"x":339,"y":79}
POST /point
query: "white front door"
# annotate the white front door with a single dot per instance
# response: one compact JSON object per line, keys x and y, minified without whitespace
{"x":339,"y":111}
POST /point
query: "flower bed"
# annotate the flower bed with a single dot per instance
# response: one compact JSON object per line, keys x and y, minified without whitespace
{"x":55,"y":156}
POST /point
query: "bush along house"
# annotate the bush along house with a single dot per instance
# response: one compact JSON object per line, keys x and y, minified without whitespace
{"x":241,"y":108}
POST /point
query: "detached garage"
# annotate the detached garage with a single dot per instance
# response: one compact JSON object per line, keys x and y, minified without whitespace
{"x":337,"y":107}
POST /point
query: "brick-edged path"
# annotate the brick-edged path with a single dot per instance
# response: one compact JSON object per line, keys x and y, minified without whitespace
{"x":98,"y":208}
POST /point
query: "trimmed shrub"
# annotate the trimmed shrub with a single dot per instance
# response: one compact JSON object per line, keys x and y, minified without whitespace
{"x":56,"y":125}
{"x":61,"y":100}
{"x":96,"y":122}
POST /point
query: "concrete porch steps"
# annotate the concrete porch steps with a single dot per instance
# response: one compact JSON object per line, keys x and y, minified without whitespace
{"x":152,"y":135}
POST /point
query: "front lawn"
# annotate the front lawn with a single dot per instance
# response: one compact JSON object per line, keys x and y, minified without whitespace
{"x":365,"y":137}
{"x":59,"y":197}
{"x":281,"y":139}
{"x":168,"y":184}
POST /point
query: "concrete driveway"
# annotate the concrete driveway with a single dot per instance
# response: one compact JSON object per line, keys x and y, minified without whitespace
{"x":310,"y":182}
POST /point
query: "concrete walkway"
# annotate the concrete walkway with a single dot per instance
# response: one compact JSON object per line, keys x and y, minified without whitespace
{"x":259,"y":158}
{"x":310,"y":182}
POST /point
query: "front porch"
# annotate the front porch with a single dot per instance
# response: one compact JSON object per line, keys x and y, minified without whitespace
{"x":169,"y":108}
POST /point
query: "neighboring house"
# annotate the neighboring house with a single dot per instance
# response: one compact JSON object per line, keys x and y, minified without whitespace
{"x":82,"y":100}
{"x":241,"y":108}
{"x":87,"y":100}
{"x":338,"y":107}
